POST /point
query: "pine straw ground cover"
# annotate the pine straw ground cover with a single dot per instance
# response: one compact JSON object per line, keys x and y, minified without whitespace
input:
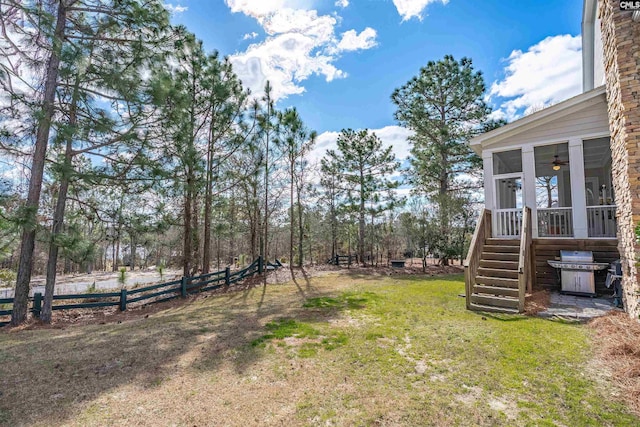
{"x":618,"y":352}
{"x":337,"y":349}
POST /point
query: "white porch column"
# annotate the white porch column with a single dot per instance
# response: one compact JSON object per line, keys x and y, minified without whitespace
{"x":487,"y":164}
{"x":529,"y":177}
{"x":578,"y":196}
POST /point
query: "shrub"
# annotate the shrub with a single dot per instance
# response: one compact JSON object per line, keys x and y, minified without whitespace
{"x":7,"y":277}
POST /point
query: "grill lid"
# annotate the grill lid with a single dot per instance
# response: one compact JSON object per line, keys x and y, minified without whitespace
{"x":576,"y":256}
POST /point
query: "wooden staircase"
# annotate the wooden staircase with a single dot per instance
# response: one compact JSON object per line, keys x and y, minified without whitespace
{"x":495,"y":287}
{"x":498,"y":272}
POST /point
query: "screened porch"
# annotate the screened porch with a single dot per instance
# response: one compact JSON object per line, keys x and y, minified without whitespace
{"x":567,"y":185}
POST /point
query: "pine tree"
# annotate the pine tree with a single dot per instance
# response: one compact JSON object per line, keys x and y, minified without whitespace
{"x":364,"y":170}
{"x":51,"y":36}
{"x":294,"y":141}
{"x":444,"y":106}
{"x":226,"y":105}
{"x":181,"y":138}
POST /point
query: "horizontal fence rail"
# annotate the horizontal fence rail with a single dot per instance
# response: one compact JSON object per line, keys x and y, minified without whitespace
{"x":151,"y":294}
{"x":343,"y":259}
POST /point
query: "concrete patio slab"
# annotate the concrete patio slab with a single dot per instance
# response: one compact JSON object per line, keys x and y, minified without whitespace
{"x":576,"y":308}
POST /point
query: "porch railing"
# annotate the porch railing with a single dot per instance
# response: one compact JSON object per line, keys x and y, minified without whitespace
{"x":526,"y":269}
{"x":555,"y":222}
{"x":601,"y":221}
{"x":472,"y":262}
{"x":508,"y":222}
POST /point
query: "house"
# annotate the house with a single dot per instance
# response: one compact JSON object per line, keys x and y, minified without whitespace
{"x":565,"y":177}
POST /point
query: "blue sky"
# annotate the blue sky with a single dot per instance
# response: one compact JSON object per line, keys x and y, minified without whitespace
{"x":339,"y":61}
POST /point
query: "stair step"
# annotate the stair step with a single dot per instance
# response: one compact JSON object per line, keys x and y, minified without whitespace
{"x":497,"y":272}
{"x":502,"y":242}
{"x":496,"y":290}
{"x":490,"y":309}
{"x":504,"y":265}
{"x":502,"y":249}
{"x":497,"y":281}
{"x":494,"y":301}
{"x":504,"y":256}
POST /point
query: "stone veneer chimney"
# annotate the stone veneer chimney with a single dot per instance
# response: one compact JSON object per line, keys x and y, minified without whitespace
{"x":621,"y":40}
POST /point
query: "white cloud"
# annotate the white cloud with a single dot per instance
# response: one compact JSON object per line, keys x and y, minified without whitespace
{"x":354,"y":41}
{"x":283,"y":60}
{"x":414,"y":8}
{"x":174,"y":9}
{"x":300,"y":43}
{"x":342,"y":3}
{"x":250,"y":36}
{"x":547,"y":73}
{"x":396,"y":136}
{"x":260,"y":8}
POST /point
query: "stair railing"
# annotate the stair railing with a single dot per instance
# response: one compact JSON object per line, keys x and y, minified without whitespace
{"x":472,"y":262}
{"x":525,"y":267}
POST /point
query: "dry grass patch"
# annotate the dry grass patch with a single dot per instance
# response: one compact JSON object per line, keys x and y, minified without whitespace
{"x":338,"y":349}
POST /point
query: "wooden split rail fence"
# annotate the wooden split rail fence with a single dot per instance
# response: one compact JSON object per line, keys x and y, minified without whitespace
{"x":343,"y":259}
{"x":155,"y":293}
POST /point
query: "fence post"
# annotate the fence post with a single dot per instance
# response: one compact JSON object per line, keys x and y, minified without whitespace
{"x":183,"y":287}
{"x":227,"y":276}
{"x":37,"y":305}
{"x":260,"y":265}
{"x":123,"y":299}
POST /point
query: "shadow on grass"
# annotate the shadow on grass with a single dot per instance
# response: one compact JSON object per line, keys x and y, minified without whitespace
{"x":374,"y":275}
{"x":502,"y":317}
{"x":49,"y":374}
{"x":307,"y":283}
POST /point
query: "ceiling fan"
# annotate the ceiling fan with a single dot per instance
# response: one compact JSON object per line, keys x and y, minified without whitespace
{"x":557,"y":163}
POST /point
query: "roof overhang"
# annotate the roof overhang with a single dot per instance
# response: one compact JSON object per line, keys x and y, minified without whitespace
{"x":509,"y":131}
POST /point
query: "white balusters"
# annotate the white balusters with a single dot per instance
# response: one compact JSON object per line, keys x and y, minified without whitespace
{"x":555,"y":222}
{"x":508,"y":222}
{"x":601,"y":221}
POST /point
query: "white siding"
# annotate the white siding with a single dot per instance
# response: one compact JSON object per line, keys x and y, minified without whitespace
{"x":588,"y":121}
{"x":598,"y":56}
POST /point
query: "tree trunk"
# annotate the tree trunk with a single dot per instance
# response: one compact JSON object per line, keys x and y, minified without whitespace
{"x":334,"y":228}
{"x":232,"y":221}
{"x":25,"y":265}
{"x":300,"y":231}
{"x":291,"y":214}
{"x":132,"y":261}
{"x":58,"y":221}
{"x":361,"y":228}
{"x":58,"y":216}
{"x":186,"y":255}
{"x":195,"y":239}
{"x":116,"y":253}
{"x":206,"y":251}
{"x":265,"y":251}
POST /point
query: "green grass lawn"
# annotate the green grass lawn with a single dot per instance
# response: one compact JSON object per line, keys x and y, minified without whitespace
{"x":336,"y":350}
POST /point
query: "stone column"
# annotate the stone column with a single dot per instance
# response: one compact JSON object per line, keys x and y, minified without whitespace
{"x":621,"y":41}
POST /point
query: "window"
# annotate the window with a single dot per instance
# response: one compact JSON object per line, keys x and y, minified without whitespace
{"x":597,"y":172}
{"x":553,"y":178}
{"x":507,"y":162}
